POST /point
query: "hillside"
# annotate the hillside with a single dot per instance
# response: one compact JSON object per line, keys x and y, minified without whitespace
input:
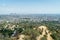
{"x":45,"y":30}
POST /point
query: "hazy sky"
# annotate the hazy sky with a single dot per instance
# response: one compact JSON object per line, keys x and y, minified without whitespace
{"x":29,"y":6}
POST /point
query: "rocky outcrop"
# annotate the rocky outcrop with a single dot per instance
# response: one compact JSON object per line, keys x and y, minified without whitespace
{"x":44,"y":31}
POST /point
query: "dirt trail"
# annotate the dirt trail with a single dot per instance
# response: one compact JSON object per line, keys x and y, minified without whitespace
{"x":21,"y":37}
{"x":46,"y":32}
{"x":49,"y":37}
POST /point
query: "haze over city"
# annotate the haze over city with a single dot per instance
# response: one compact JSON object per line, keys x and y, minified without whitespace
{"x":29,"y":6}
